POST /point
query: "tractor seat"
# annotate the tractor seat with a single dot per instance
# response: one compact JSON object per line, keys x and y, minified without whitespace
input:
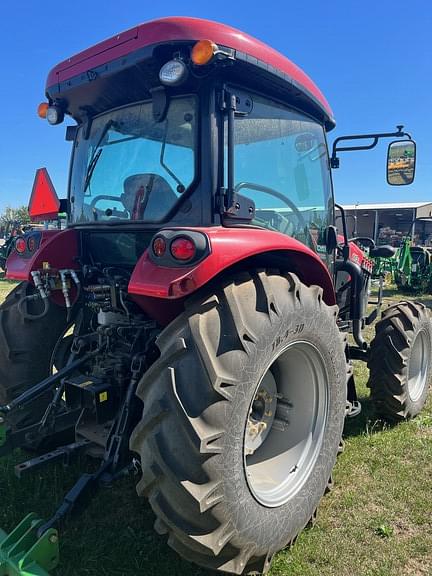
{"x":384,"y":251}
{"x":149,"y":193}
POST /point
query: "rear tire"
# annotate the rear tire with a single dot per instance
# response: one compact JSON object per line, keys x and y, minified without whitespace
{"x":400,"y":361}
{"x":199,"y":398}
{"x":26,"y":348}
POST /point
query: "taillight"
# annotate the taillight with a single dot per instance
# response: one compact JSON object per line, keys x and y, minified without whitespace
{"x":183,"y":249}
{"x":159,"y":246}
{"x":31,"y":244}
{"x":20,"y":245}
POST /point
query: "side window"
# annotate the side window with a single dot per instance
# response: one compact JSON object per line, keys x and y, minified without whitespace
{"x":281,"y":163}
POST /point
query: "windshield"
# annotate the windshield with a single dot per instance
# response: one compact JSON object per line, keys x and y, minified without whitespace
{"x":281,"y":163}
{"x":131,"y":167}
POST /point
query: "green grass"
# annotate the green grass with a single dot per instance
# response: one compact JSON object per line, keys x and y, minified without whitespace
{"x":376,"y":522}
{"x":5,"y":287}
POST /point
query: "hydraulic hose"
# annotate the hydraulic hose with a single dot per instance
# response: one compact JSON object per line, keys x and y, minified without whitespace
{"x":42,"y":294}
{"x":74,"y":277}
{"x":30,"y":298}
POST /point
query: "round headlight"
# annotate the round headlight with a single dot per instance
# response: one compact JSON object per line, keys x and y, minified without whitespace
{"x":173,"y":73}
{"x":54,"y":115}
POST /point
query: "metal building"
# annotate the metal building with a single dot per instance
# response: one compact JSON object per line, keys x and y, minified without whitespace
{"x":388,"y":223}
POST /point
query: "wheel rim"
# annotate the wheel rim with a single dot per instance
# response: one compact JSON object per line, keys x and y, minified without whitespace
{"x":418,"y":366}
{"x":286,"y":423}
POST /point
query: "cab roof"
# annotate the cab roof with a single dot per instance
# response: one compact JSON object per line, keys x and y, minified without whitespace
{"x":165,"y":30}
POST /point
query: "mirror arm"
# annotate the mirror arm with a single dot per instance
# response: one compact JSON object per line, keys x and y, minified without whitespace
{"x":334,"y":160}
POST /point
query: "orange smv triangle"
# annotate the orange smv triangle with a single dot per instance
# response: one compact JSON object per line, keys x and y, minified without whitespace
{"x":44,"y":203}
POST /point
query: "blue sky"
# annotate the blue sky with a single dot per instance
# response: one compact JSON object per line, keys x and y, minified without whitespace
{"x":372,"y":60}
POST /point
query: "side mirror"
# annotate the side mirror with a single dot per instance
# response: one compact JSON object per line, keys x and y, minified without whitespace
{"x":330,"y":239}
{"x":401,"y":162}
{"x":44,"y":203}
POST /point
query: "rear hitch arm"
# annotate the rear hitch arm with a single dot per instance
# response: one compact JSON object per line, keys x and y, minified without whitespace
{"x":39,"y":389}
{"x":32,"y":435}
{"x":114,"y":463}
{"x":10,"y":440}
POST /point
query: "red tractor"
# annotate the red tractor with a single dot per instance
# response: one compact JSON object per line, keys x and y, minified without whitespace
{"x":193,"y":317}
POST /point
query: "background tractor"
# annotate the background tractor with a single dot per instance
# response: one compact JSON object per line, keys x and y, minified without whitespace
{"x":10,"y":230}
{"x":414,"y":270}
{"x":193,"y":317}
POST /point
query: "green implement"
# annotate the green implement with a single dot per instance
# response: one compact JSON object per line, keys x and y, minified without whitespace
{"x":24,"y":553}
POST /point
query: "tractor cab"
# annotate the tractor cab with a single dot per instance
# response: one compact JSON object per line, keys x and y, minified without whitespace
{"x":198,"y":125}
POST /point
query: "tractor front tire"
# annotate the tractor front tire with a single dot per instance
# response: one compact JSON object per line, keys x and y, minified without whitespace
{"x":26,"y":348}
{"x":400,"y":361}
{"x":242,"y":420}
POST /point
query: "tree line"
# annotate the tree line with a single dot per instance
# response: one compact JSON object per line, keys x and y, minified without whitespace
{"x":11,"y":218}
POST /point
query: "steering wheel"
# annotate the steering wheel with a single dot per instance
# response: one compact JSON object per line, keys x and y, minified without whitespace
{"x":114,"y":212}
{"x":279,"y":196}
{"x":103,"y":197}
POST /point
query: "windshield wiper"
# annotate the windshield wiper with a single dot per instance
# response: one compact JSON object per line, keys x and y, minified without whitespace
{"x":91,"y":168}
{"x":96,"y":154}
{"x":180,"y":186}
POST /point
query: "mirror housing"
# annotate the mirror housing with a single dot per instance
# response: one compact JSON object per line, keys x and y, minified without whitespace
{"x":44,"y":203}
{"x":330,"y":239}
{"x":401,"y":162}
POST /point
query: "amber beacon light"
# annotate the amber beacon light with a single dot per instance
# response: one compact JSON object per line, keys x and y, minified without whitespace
{"x":203,"y":51}
{"x":42,"y":110}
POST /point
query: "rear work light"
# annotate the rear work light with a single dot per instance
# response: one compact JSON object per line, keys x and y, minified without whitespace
{"x":54,"y":115}
{"x":20,"y":245}
{"x":183,"y":249}
{"x":159,"y":246}
{"x":173,"y":72}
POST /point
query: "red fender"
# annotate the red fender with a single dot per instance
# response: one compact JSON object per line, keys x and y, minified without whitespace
{"x":58,"y":248}
{"x":160,"y":291}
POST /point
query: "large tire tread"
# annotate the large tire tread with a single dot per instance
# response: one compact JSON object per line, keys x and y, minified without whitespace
{"x":389,"y":358}
{"x":182,"y":484}
{"x":26,"y":347}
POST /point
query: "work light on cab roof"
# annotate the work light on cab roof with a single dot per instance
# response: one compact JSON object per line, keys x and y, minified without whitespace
{"x":173,"y":72}
{"x":54,"y":114}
